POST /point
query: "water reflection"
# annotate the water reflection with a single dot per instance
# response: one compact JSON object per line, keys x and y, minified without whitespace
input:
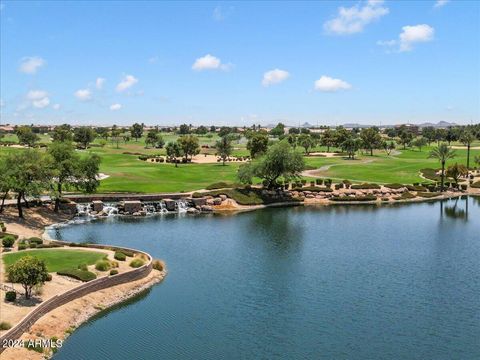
{"x":458,"y":210}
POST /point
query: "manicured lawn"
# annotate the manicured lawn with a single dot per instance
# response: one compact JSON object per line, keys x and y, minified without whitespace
{"x":402,"y":168}
{"x":128,"y":174}
{"x":57,"y":260}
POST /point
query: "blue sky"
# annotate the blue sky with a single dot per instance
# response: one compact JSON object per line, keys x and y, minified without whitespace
{"x":234,"y":63}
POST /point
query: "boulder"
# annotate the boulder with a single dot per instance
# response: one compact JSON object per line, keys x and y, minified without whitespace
{"x":170,"y":204}
{"x":206,"y":208}
{"x":132,"y":206}
{"x":192,"y":210}
{"x":70,"y":207}
{"x":97,"y":205}
{"x":199,"y":201}
{"x":223,"y":197}
{"x":217,"y":201}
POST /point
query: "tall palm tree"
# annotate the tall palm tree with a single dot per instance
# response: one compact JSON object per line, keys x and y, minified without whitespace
{"x":442,"y":153}
{"x":467,"y":138}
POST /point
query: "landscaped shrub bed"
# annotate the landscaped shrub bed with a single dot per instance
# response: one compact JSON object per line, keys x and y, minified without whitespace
{"x":221,"y":185}
{"x":365,"y":186}
{"x":78,"y":274}
{"x":395,"y":186}
{"x":157,"y":265}
{"x":429,"y":194}
{"x":48,"y":246}
{"x":405,"y":196}
{"x":430,"y":174}
{"x":243,"y":196}
{"x":113,"y":272}
{"x":313,"y":189}
{"x":416,"y":188}
{"x":355,"y":198}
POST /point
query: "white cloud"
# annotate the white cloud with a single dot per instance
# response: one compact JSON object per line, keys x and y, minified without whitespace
{"x":99,"y":83}
{"x":209,"y":62}
{"x":115,"y":107}
{"x":56,"y":106}
{"x":415,"y":34}
{"x":440,"y":3}
{"x":275,"y":76}
{"x":30,"y":65}
{"x":410,"y":35}
{"x":36,"y":94}
{"x":83,"y":94}
{"x":38,"y":98}
{"x":40,"y":104}
{"x":353,"y":19}
{"x":328,"y":84}
{"x":127,"y":82}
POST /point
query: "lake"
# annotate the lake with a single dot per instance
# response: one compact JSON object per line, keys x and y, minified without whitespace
{"x":337,"y":282}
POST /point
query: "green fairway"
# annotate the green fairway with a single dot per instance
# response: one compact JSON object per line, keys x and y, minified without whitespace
{"x":129,"y":174}
{"x":57,"y":260}
{"x":402,"y":168}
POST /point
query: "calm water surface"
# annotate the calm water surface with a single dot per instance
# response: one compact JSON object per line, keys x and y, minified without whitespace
{"x":357,"y":282}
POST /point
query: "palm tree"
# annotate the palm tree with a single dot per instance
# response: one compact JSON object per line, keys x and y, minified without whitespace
{"x":467,"y":138}
{"x":442,"y":153}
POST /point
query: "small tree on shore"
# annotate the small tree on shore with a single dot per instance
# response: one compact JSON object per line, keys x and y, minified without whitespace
{"x":224,"y":147}
{"x":456,"y":171}
{"x":442,"y":153}
{"x":28,"y":271}
{"x":280,"y":160}
{"x":173,"y":151}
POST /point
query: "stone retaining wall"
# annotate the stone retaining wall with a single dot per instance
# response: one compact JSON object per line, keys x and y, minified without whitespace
{"x":75,"y":293}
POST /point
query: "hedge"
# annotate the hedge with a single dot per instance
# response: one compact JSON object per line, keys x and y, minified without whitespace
{"x":365,"y":186}
{"x":428,"y":194}
{"x":395,"y":186}
{"x":313,"y":189}
{"x":78,"y":274}
{"x":103,"y":265}
{"x":356,"y":198}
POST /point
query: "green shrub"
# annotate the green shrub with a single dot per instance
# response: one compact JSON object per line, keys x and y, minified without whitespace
{"x":157,"y":265}
{"x":35,"y":240}
{"x":8,"y":241}
{"x":365,"y":186}
{"x":113,"y":272}
{"x":78,"y":274}
{"x":355,"y":198}
{"x":405,"y":196}
{"x":48,"y":246}
{"x":136,"y":263}
{"x":476,"y":185}
{"x":33,"y":245}
{"x":102,"y":265}
{"x":5,"y":325}
{"x":338,"y":186}
{"x":221,"y":185}
{"x":10,"y":296}
{"x":83,"y":267}
{"x":22,"y":246}
{"x":49,"y":277}
{"x":395,"y":186}
{"x":430,"y":174}
{"x":428,"y":195}
{"x":313,"y":189}
{"x":416,"y":188}
{"x":119,"y":256}
{"x":319,"y":181}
